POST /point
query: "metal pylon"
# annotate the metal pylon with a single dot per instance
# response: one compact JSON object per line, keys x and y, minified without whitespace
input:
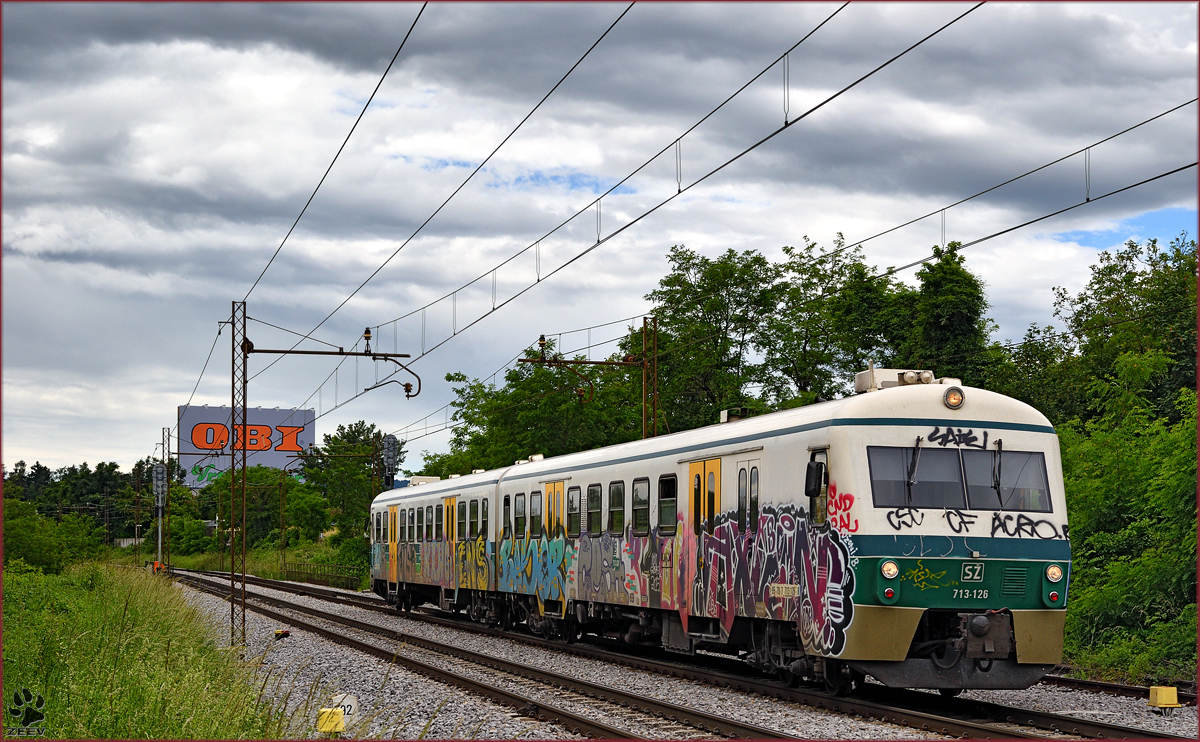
{"x":237,"y":481}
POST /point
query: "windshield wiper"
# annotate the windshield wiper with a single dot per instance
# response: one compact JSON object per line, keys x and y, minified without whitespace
{"x":912,"y":470}
{"x":996,"y":471}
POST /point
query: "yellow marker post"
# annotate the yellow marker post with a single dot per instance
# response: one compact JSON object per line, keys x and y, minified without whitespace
{"x":330,"y":721}
{"x":1164,"y":698}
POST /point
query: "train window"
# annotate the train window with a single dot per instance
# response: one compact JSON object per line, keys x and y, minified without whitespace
{"x":412,"y":526}
{"x":393,"y":519}
{"x":935,"y":475}
{"x":483,"y":518}
{"x":375,"y":533}
{"x":403,"y":535}
{"x":641,"y":507}
{"x":818,"y":506}
{"x":474,"y":522}
{"x":696,"y":509}
{"x":429,"y":523}
{"x":573,"y":517}
{"x":437,"y":527}
{"x":420,"y":524}
{"x":535,"y":515}
{"x":594,"y":508}
{"x":743,"y":491}
{"x":1008,"y":480}
{"x":385,"y":526}
{"x":616,"y":508}
{"x":506,"y":517}
{"x":712,"y":502}
{"x":519,"y":515}
{"x":462,"y":521}
{"x":754,"y":499}
{"x":667,"y":505}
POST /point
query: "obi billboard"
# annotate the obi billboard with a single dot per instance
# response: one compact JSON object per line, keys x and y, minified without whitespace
{"x":271,"y":437}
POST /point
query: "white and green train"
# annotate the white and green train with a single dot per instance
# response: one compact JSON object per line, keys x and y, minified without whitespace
{"x":915,"y":532}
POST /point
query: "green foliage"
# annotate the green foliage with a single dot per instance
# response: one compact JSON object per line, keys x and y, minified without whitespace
{"x":303,"y":503}
{"x":119,"y":654}
{"x":41,"y":542}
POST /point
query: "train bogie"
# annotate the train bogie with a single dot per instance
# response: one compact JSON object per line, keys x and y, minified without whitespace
{"x":891,"y":534}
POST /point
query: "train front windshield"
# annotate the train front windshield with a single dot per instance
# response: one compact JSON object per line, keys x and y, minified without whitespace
{"x":959,"y":479}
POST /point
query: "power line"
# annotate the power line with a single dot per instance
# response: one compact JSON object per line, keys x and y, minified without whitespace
{"x":622,"y":181}
{"x":463,"y":184}
{"x":339,"y":152}
{"x":1018,"y":177}
{"x":889,"y":272}
{"x":602,"y":240}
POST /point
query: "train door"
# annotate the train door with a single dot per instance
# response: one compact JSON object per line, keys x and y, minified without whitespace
{"x":392,"y":550}
{"x":554,"y":508}
{"x":449,"y":554}
{"x":704,"y":478}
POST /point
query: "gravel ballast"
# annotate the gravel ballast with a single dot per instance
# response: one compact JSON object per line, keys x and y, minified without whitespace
{"x":789,"y":717}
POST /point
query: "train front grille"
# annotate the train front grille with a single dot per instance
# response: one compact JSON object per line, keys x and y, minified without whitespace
{"x":1014,"y":582}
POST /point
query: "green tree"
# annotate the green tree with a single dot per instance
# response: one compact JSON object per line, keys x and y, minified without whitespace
{"x":710,"y":312}
{"x":950,"y":330}
{"x":347,"y":471}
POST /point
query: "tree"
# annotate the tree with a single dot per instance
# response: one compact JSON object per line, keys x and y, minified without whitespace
{"x":950,"y":331}
{"x":347,"y":471}
{"x":710,"y":311}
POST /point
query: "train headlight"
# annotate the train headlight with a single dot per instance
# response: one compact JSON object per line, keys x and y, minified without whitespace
{"x":953,"y":398}
{"x":1054,"y":573}
{"x":889,"y":569}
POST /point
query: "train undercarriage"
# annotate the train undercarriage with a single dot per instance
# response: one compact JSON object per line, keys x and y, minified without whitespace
{"x":950,"y":650}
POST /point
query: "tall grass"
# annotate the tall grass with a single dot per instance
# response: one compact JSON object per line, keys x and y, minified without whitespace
{"x":261,"y":561}
{"x":120,"y":653}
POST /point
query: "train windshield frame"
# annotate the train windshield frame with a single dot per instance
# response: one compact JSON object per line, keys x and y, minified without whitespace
{"x":959,"y":479}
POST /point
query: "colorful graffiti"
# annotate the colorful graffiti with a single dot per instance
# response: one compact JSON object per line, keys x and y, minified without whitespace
{"x":537,"y":566}
{"x":924,"y":578}
{"x":474,"y":561}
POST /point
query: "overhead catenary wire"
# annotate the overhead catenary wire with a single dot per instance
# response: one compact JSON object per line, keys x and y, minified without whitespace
{"x":458,"y":331}
{"x":338,"y":153}
{"x":678,"y":171}
{"x":461,"y":185}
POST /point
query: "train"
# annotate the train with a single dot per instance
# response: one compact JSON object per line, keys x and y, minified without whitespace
{"x":914,"y":532}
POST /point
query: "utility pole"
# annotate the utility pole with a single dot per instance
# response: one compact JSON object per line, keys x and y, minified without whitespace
{"x":242,"y":348}
{"x":167,"y":497}
{"x":159,"y":478}
{"x":648,"y":363}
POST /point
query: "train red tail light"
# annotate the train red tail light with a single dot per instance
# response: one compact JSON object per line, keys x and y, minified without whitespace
{"x":889,"y":592}
{"x":1054,"y":597}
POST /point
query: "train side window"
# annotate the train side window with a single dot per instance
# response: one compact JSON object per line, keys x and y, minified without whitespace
{"x":667,"y":504}
{"x":573,"y":517}
{"x":506,"y":517}
{"x":743,"y":492}
{"x":462,"y":521}
{"x":712,"y":502}
{"x":818,"y":505}
{"x":754,"y":499}
{"x":375,"y":533}
{"x":403,"y":532}
{"x":696,"y":494}
{"x":420,"y":524}
{"x":594,"y":509}
{"x":429,"y":523}
{"x":519,"y":515}
{"x":474,"y":522}
{"x":483,"y":518}
{"x":437,"y":528}
{"x":535,"y":515}
{"x":616,"y":508}
{"x":385,"y":526}
{"x":412,"y":526}
{"x":641,"y":507}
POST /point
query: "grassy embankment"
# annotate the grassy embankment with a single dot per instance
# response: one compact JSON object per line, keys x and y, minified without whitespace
{"x":263,"y":562}
{"x":119,"y":653}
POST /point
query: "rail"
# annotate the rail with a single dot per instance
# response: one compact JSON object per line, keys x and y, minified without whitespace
{"x":330,"y":575}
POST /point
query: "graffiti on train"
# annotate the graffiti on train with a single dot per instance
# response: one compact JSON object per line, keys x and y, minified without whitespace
{"x":540,"y":566}
{"x":792,"y":569}
{"x":473,"y":558}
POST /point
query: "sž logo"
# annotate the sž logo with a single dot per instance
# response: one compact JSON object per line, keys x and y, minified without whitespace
{"x":215,"y":436}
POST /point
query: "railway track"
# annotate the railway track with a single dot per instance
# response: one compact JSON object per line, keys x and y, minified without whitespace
{"x":924,"y":711}
{"x":541,"y":693}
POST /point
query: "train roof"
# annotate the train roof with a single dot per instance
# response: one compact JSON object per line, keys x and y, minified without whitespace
{"x":913,"y":405}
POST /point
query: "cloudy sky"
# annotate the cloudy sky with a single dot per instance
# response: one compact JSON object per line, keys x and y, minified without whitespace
{"x":154,"y":157}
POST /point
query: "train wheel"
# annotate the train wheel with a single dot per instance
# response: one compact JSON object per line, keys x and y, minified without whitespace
{"x":789,"y":678}
{"x":950,"y":692}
